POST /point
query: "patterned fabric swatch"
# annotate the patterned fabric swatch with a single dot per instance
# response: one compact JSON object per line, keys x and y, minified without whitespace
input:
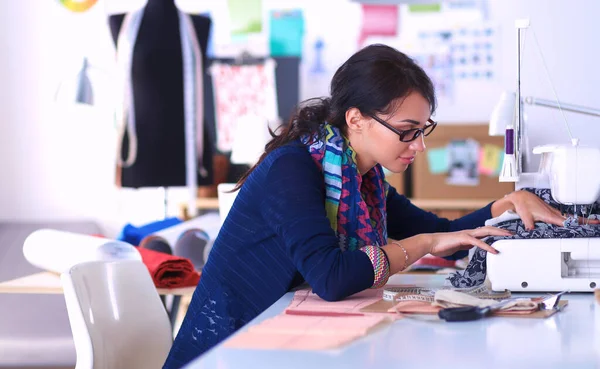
{"x":475,"y":272}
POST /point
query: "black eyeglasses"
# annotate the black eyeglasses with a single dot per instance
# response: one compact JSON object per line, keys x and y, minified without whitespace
{"x":409,"y":134}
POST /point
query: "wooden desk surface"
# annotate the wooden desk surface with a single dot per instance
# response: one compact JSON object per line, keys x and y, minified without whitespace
{"x":49,"y":283}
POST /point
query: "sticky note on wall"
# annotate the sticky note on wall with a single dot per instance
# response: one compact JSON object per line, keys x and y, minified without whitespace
{"x":437,"y":159}
{"x":490,"y":159}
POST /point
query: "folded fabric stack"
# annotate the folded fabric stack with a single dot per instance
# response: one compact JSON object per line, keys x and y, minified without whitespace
{"x":169,"y":271}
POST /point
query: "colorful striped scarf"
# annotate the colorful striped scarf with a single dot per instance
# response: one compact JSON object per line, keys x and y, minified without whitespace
{"x":355,"y":203}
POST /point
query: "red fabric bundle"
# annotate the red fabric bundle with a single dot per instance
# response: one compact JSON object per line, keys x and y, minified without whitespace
{"x":169,"y":271}
{"x":435,"y":261}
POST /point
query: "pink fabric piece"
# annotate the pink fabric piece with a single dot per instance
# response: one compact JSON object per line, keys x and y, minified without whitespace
{"x":301,"y":332}
{"x":307,"y":300}
{"x":305,"y":332}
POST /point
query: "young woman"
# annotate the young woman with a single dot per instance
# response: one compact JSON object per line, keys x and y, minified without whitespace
{"x":317,"y":208}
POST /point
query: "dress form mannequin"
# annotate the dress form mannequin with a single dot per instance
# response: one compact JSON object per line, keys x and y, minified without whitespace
{"x":158,"y":90}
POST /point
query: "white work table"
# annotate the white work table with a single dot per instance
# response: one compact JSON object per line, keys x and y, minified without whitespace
{"x":569,"y":339}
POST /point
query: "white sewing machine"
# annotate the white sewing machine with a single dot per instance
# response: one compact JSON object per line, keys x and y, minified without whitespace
{"x":543,"y":265}
{"x":572,"y":172}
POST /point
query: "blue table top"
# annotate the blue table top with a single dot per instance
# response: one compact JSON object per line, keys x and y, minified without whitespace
{"x":569,"y":339}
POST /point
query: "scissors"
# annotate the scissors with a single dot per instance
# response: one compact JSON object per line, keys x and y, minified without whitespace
{"x":469,"y":313}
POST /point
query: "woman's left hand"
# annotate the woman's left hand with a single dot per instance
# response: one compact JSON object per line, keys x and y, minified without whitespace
{"x":530,"y":209}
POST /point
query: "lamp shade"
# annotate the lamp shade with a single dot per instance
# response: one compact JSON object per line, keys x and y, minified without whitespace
{"x":503,"y":114}
{"x":84,"y":93}
{"x":77,"y":89}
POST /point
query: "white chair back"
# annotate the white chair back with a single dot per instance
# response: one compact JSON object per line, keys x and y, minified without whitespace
{"x":116,"y":315}
{"x":226,"y":198}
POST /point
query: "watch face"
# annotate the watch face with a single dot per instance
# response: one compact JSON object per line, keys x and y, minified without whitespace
{"x":78,"y":5}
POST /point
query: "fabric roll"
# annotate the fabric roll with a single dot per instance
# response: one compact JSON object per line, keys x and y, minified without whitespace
{"x":168,"y":271}
{"x":58,"y":251}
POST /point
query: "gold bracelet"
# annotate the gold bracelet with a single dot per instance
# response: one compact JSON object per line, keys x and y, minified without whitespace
{"x":405,"y":254}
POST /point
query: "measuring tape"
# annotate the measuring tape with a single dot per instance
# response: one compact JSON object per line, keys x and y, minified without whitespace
{"x":427,"y":294}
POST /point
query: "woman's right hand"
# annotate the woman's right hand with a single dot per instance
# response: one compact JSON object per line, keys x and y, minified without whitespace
{"x":448,"y":243}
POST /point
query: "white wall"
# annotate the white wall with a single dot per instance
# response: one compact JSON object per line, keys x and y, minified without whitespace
{"x":57,"y":161}
{"x":567,"y":32}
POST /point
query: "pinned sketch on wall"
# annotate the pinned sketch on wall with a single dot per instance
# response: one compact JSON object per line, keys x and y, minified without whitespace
{"x":241,"y":91}
{"x":245,"y":16}
{"x":464,"y":53}
{"x":286,"y":31}
{"x":435,"y":58}
{"x":378,"y":20}
{"x":463,"y":163}
{"x":473,"y":52}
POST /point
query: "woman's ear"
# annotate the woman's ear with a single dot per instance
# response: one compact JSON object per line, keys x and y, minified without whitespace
{"x":355,"y":120}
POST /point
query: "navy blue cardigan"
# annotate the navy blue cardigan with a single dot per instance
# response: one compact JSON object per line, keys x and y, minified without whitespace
{"x":277,"y":236}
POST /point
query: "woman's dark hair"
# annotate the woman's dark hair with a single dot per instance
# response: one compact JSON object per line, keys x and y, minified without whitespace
{"x":372,"y":80}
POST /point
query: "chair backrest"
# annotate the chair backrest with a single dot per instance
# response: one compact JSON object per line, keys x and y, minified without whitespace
{"x":226,"y":198}
{"x":116,"y":315}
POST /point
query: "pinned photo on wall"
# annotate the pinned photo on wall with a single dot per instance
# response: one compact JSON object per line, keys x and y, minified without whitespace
{"x":463,"y":163}
{"x":286,"y":32}
{"x":378,"y":20}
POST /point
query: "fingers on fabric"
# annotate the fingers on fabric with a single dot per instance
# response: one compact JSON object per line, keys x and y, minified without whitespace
{"x":489,"y":231}
{"x":528,"y":221}
{"x":555,"y":219}
{"x":482,"y":245}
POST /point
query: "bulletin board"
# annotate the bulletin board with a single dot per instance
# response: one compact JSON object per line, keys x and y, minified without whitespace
{"x":396,"y":180}
{"x":428,"y":185}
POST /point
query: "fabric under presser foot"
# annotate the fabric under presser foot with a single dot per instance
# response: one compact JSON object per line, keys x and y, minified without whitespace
{"x":475,"y":272}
